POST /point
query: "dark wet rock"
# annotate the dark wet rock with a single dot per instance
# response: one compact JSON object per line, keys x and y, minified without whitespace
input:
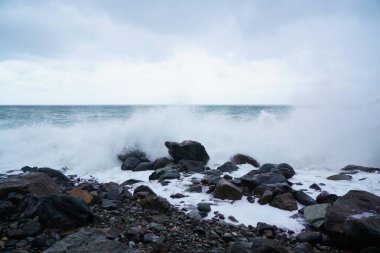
{"x":244,"y":159}
{"x":354,"y":220}
{"x":130,"y":182}
{"x":310,"y":237}
{"x":187,"y":150}
{"x":303,"y":248}
{"x":194,"y":215}
{"x":315,"y":214}
{"x":266,"y":198}
{"x":36,"y":183}
{"x":144,"y":188}
{"x":262,"y":245}
{"x":58,"y":177}
{"x":83,"y":194}
{"x":112,"y":189}
{"x":338,"y":177}
{"x":16,"y":233}
{"x":64,"y":212}
{"x":284,"y":201}
{"x":31,"y":228}
{"x":274,"y":188}
{"x":143,"y":166}
{"x":165,"y":174}
{"x":227,"y":167}
{"x":325,"y":197}
{"x":304,"y":199}
{"x":161,"y":162}
{"x":6,"y":209}
{"x":125,"y":194}
{"x":194,"y":188}
{"x":237,"y":247}
{"x":261,"y":227}
{"x":316,"y":187}
{"x":156,"y":203}
{"x":283,"y":169}
{"x":227,"y":190}
{"x":108,"y":204}
{"x":132,"y":158}
{"x":360,"y":168}
{"x":205,"y":207}
{"x":251,"y":199}
{"x":89,"y":240}
{"x":212,"y":177}
{"x":252,"y":179}
{"x":178,"y":196}
{"x":193,"y":166}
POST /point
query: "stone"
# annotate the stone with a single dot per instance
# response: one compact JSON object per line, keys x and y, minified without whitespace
{"x":130,"y":182}
{"x":36,"y":183}
{"x":195,"y":188}
{"x":261,"y":227}
{"x":204,"y":207}
{"x":253,"y":179}
{"x":338,"y":177}
{"x":315,"y":214}
{"x":310,"y":237}
{"x":31,"y":228}
{"x":108,"y":204}
{"x":88,"y":240}
{"x":178,"y":196}
{"x":64,"y":212}
{"x":262,"y":245}
{"x":284,"y":201}
{"x":161,"y":162}
{"x":143,"y":166}
{"x":6,"y":209}
{"x":303,"y":248}
{"x":304,"y":199}
{"x":360,"y":168}
{"x":244,"y":159}
{"x":132,"y":158}
{"x":194,"y":215}
{"x":315,"y":187}
{"x":266,"y":167}
{"x":283,"y":169}
{"x":236,"y":247}
{"x":156,"y":203}
{"x":266,"y":198}
{"x":193,"y":166}
{"x":227,"y":167}
{"x":83,"y":194}
{"x":354,"y":220}
{"x":187,"y":150}
{"x":227,"y":190}
{"x":144,"y":188}
{"x":325,"y":197}
{"x":165,"y":174}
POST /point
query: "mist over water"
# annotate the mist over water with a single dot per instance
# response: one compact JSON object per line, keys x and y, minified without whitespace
{"x":87,"y":139}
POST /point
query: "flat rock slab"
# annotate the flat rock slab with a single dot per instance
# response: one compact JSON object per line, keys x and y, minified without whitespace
{"x":36,"y":183}
{"x":89,"y":240}
{"x":315,"y":214}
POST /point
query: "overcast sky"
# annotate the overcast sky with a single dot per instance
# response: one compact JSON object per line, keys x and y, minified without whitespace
{"x":189,"y":52}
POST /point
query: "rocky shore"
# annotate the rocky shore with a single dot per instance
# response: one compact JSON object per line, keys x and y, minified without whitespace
{"x":44,"y":210}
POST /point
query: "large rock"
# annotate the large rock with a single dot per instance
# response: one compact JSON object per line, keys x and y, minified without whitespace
{"x":354,"y":220}
{"x":36,"y":183}
{"x":338,"y":177}
{"x":187,"y":150}
{"x":156,"y":203}
{"x":283,"y":169}
{"x":131,"y":159}
{"x":284,"y":201}
{"x":316,"y":214}
{"x":227,"y":190}
{"x":58,"y":177}
{"x":253,"y":179}
{"x":360,"y":168}
{"x":89,"y":240}
{"x":64,"y":212}
{"x":263,"y":245}
{"x":193,"y":166}
{"x":164,"y":174}
{"x":325,"y":197}
{"x":227,"y":167}
{"x":244,"y":159}
{"x":304,"y":199}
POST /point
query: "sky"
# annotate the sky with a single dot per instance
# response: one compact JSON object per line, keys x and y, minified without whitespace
{"x":189,"y":52}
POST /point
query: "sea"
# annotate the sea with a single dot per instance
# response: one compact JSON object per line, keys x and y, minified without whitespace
{"x":317,"y":141}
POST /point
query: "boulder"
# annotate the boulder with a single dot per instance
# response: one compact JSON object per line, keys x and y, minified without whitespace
{"x":83,"y":194}
{"x":193,"y":166}
{"x":88,"y":240}
{"x":310,"y":237}
{"x":262,"y":245}
{"x":284,"y":201}
{"x":58,"y":177}
{"x":204,"y":207}
{"x":64,"y":212}
{"x":143,"y":166}
{"x":266,"y":198}
{"x":161,"y":162}
{"x":338,"y":177}
{"x":325,"y":197}
{"x":187,"y":150}
{"x":244,"y":159}
{"x":165,"y":174}
{"x":227,"y":190}
{"x":283,"y":169}
{"x":253,"y":178}
{"x":304,"y":199}
{"x":315,"y":214}
{"x":353,"y":168}
{"x":132,"y":158}
{"x":36,"y":183}
{"x":144,"y":188}
{"x":354,"y":220}
{"x":227,"y":167}
{"x":156,"y":203}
